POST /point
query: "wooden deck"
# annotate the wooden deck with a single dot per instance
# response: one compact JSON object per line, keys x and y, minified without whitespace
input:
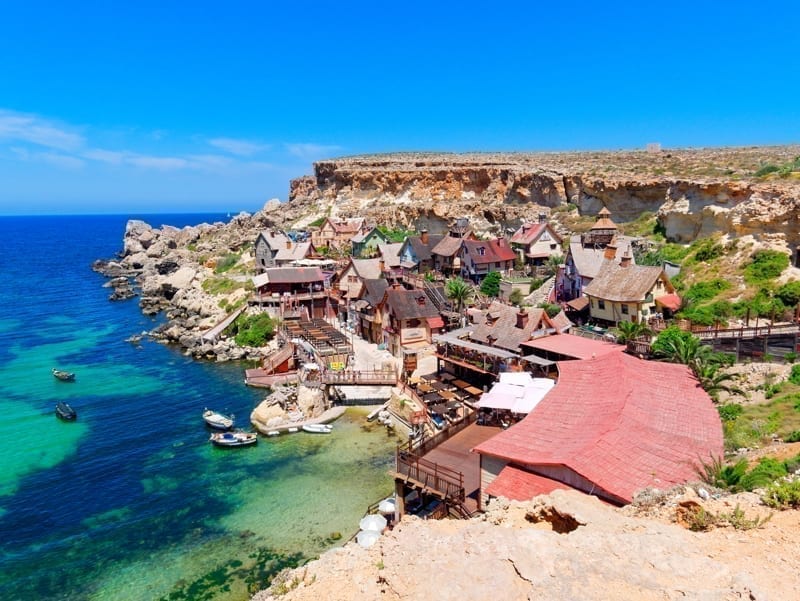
{"x":455,"y":454}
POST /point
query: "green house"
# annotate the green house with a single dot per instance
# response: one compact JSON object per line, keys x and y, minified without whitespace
{"x":366,"y":245}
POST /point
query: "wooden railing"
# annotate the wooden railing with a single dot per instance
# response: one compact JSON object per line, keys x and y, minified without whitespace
{"x":385,"y":377}
{"x":426,"y":445}
{"x":746,"y":332}
{"x":447,"y":482}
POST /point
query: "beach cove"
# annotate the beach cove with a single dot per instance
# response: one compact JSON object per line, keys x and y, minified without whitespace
{"x":131,"y":501}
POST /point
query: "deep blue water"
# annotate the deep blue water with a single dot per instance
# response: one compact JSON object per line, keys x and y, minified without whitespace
{"x":130,"y":501}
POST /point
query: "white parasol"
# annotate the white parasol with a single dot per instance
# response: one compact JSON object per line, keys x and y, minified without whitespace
{"x":367,"y":538}
{"x":387,"y":505}
{"x":373,"y":522}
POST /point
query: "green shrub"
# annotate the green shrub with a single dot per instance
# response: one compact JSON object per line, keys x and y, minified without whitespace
{"x":792,"y":437}
{"x":226,"y":262}
{"x":708,"y":249}
{"x":782,"y":495}
{"x":790,"y":357}
{"x":220,"y":285}
{"x":490,"y":286}
{"x":551,"y":309}
{"x":766,"y":170}
{"x":536,"y":283}
{"x":706,"y":290}
{"x":794,"y":375}
{"x":765,"y":473}
{"x":765,"y":265}
{"x":729,"y":411}
{"x":789,"y":293}
{"x":253,"y":330}
{"x":317,"y":222}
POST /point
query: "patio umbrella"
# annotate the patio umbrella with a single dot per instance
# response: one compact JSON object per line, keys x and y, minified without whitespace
{"x":387,"y":505}
{"x":439,"y":408}
{"x":373,"y":522}
{"x":367,"y":538}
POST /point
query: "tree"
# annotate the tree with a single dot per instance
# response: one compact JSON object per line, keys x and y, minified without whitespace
{"x":677,"y":346}
{"x":515,"y":298}
{"x":490,"y":286}
{"x":629,"y":330}
{"x":458,"y":290}
{"x":713,"y":380}
{"x":553,"y":263}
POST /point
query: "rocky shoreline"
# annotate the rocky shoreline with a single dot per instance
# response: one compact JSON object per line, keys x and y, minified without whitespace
{"x":166,"y":269}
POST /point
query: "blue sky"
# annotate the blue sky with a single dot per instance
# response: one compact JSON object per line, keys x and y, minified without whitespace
{"x":201,"y":106}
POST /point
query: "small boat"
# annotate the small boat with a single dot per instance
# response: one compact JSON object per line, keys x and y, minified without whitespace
{"x":318,"y":428}
{"x":218,"y":421}
{"x":65,"y":412}
{"x":64,"y":376}
{"x":274,"y":433}
{"x":238,"y":438}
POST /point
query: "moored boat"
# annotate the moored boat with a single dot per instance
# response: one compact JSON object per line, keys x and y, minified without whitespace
{"x":65,"y":412}
{"x":238,"y":438}
{"x":318,"y":428}
{"x":218,"y":421}
{"x":64,"y":376}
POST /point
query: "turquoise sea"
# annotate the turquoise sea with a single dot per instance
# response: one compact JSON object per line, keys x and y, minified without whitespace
{"x":131,"y":502}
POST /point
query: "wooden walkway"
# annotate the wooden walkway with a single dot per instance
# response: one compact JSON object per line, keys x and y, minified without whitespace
{"x":747,"y":332}
{"x":455,"y":454}
{"x":380,"y":377}
{"x":261,"y":378}
{"x":212,"y":334}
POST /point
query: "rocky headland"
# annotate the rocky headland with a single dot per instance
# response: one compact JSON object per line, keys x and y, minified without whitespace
{"x":566,"y":546}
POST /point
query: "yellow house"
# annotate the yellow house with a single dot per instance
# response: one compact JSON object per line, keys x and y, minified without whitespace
{"x":626,"y":292}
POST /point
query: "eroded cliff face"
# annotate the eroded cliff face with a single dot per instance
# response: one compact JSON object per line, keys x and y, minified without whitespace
{"x":693,"y":192}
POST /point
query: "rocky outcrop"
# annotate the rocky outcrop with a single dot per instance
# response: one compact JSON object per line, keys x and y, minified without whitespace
{"x":561,"y":547}
{"x":166,"y":268}
{"x":693,"y":192}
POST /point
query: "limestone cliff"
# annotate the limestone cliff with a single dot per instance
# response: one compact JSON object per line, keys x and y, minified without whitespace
{"x":694,"y":192}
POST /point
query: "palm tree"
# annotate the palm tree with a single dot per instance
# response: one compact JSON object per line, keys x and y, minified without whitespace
{"x":629,"y":330}
{"x":553,"y":263}
{"x":458,"y":290}
{"x":683,"y":349}
{"x":713,"y":380}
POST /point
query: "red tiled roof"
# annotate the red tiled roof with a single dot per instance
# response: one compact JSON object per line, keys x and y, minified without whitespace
{"x":516,"y":484}
{"x":670,"y":301}
{"x":620,"y":422}
{"x":495,"y":251}
{"x":574,"y":346}
{"x":529,"y":232}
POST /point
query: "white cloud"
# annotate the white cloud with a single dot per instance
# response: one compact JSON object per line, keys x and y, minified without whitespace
{"x":309,"y":150}
{"x":158,"y":163}
{"x":20,"y":127}
{"x":104,"y":156}
{"x":244,"y":148}
{"x":56,"y":159}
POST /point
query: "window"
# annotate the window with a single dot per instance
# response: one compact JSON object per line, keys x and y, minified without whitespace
{"x":481,"y":251}
{"x":553,"y":246}
{"x":624,"y":309}
{"x":601,"y":304}
{"x":352,"y":279}
{"x":545,"y":237}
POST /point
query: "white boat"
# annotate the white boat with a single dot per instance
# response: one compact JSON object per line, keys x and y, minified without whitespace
{"x":233,"y":439}
{"x":318,"y":428}
{"x":274,"y":433}
{"x":218,"y":421}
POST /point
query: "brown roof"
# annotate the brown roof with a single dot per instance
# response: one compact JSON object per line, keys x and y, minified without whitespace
{"x":297,"y":251}
{"x":495,"y":251}
{"x":447,"y":247}
{"x":623,"y":284}
{"x":421,"y":250}
{"x":293,"y":275}
{"x":347,"y":226}
{"x":587,"y":259}
{"x":410,"y":304}
{"x":374,"y":290}
{"x":367,"y":268}
{"x":499,"y":322}
{"x":390,"y":252}
{"x":603,"y":221}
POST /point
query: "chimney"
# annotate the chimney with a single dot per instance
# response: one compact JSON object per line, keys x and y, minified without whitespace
{"x":522,"y":319}
{"x":611,"y":251}
{"x":421,"y":300}
{"x":381,"y":265}
{"x":423,"y":236}
{"x":288,"y":244}
{"x":626,"y":259}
